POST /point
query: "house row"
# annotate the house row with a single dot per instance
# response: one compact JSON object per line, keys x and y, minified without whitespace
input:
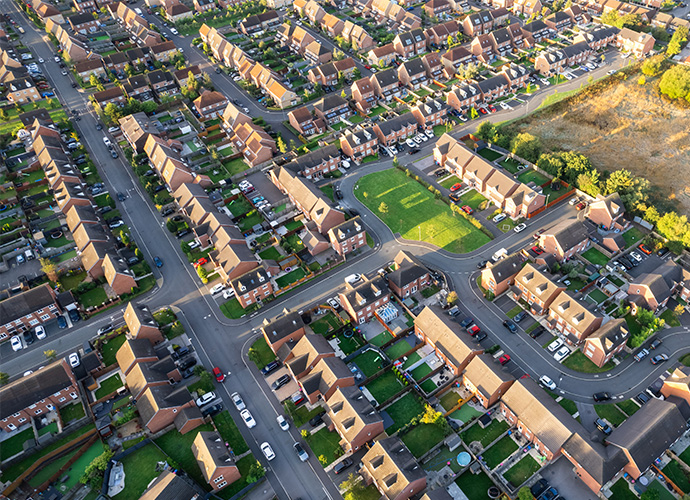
{"x":482,"y":22}
{"x":329,"y":73}
{"x":501,"y":189}
{"x":497,"y":43}
{"x":74,"y":46}
{"x":262,"y":76}
{"x":251,"y":140}
{"x":333,"y":26}
{"x":259,"y":24}
{"x":136,"y":25}
{"x":472,"y":93}
{"x":669,"y":22}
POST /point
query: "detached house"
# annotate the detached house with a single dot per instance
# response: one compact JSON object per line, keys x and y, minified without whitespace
{"x":382,"y":56}
{"x":433,"y":66}
{"x":602,"y":345}
{"x":329,"y":375}
{"x":362,"y":300}
{"x":216,"y":462}
{"x":437,"y":8}
{"x":535,"y":286}
{"x":497,"y":277}
{"x":652,"y":290}
{"x":287,"y":327}
{"x":210,"y":104}
{"x":22,"y":91}
{"x":572,"y":319}
{"x":354,"y":418}
{"x":386,"y":84}
{"x":438,"y":34}
{"x":607,"y":212}
{"x":252,"y":287}
{"x":565,"y":239}
{"x":409,"y":277}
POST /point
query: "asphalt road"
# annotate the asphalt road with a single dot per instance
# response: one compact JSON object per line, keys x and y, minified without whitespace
{"x":222,"y":342}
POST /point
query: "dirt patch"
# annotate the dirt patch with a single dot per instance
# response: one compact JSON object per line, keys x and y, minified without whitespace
{"x":623,"y":126}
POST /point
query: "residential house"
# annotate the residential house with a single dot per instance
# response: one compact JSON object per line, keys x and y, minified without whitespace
{"x":565,"y":239}
{"x":332,"y":109}
{"x":68,"y":195}
{"x":555,"y":61}
{"x":348,"y":237}
{"x":176,"y":11}
{"x":137,"y":87}
{"x":358,"y":144}
{"x":413,"y":74}
{"x":535,"y":31}
{"x":141,"y":375}
{"x":486,"y":380}
{"x":483,"y":49}
{"x":361,"y":300}
{"x":516,"y":35}
{"x":410,"y":43}
{"x":202,"y":6}
{"x":216,"y":461}
{"x":462,"y":98}
{"x":186,"y":194}
{"x":325,"y":74}
{"x":162,"y":52}
{"x":170,"y":485}
{"x":116,"y":62}
{"x":602,"y":345}
{"x":363,"y":94}
{"x":113,"y":95}
{"x":558,"y":21}
{"x":653,"y":290}
{"x":58,"y":171}
{"x":607,"y":212}
{"x":92,"y":257}
{"x":453,"y":59}
{"x":83,"y":23}
{"x":295,"y":37}
{"x":383,"y":56}
{"x":438,"y":34}
{"x":233,"y":261}
{"x":501,"y":41}
{"x":85,"y":5}
{"x":164,"y":405}
{"x":397,"y":129}
{"x":386,"y":84}
{"x":639,"y":44}
{"x":677,"y":384}
{"x":526,"y":7}
{"x":163,"y":83}
{"x":433,"y":66}
{"x":535,"y":286}
{"x":614,"y":242}
{"x":81,"y":215}
{"x":478,"y":23}
{"x":497,"y":277}
{"x":22,"y":91}
{"x":325,"y":379}
{"x":499,"y":187}
{"x":452,"y":154}
{"x":118,"y":274}
{"x":357,"y":36}
{"x":409,"y":277}
{"x":477,"y":173}
{"x":141,"y":324}
{"x":572,"y":319}
{"x":431,"y":113}
{"x":332,"y":25}
{"x":252,"y":287}
{"x":36,"y":394}
{"x":89,"y":232}
{"x":210,"y":104}
{"x":354,"y":418}
{"x":286,"y":327}
{"x":304,"y":122}
{"x":577,"y":15}
{"x":437,"y":8}
{"x":494,"y":87}
{"x":301,"y":358}
{"x":314,"y":12}
{"x":182,"y":75}
{"x":316,"y":53}
{"x":436,"y":329}
{"x":390,"y":466}
{"x":516,"y":75}
{"x":89,"y":67}
{"x":500,"y":16}
{"x":136,"y":129}
{"x":410,"y":21}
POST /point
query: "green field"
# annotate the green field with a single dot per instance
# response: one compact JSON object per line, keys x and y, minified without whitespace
{"x":415,"y":213}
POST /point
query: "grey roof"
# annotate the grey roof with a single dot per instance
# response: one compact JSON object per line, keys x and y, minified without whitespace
{"x":661,"y":282}
{"x":365,"y":293}
{"x":501,"y":35}
{"x":398,"y":123}
{"x":392,"y":466}
{"x":169,"y":486}
{"x":506,"y":267}
{"x":612,"y":334}
{"x":283,"y":326}
{"x":492,"y":83}
{"x":411,"y":37}
{"x":251,"y":280}
{"x":314,"y":159}
{"x":331,"y":101}
{"x":414,"y":67}
{"x":406,"y":273}
{"x":326,"y":372}
{"x":164,"y":396}
{"x":535,"y":26}
{"x":187,"y":414}
{"x":25,"y":303}
{"x":569,"y":233}
{"x":25,"y":391}
{"x":386,"y":77}
{"x":347,"y":229}
{"x":600,"y":462}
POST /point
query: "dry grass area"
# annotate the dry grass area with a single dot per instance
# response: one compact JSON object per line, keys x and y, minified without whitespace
{"x":624,"y":125}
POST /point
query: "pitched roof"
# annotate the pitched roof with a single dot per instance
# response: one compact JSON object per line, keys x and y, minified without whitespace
{"x":211,"y":453}
{"x":611,"y":335}
{"x":350,"y":411}
{"x":568,"y":233}
{"x":365,"y":293}
{"x":305,"y":351}
{"x":169,"y":486}
{"x":25,"y":303}
{"x":572,"y":311}
{"x":282,"y":326}
{"x":38,"y":385}
{"x":396,"y":123}
{"x":160,"y":397}
{"x":486,"y":375}
{"x":409,"y":269}
{"x":537,"y":281}
{"x":440,"y":329}
{"x":326,"y":373}
{"x":392,"y":466}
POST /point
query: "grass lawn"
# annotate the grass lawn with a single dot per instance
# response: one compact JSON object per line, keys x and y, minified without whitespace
{"x":230,"y":433}
{"x":421,"y":371}
{"x":325,"y":324}
{"x":377,"y":110}
{"x":403,"y":411}
{"x":369,"y":362}
{"x":474,"y":486}
{"x":485,"y":436}
{"x":663,"y":492}
{"x":610,"y":413}
{"x":449,"y":400}
{"x":670,"y":318}
{"x":140,"y":469}
{"x":264,"y":355}
{"x":568,"y":406}
{"x":632,"y":236}
{"x":628,"y":406}
{"x":449,"y":181}
{"x":557,"y":97}
{"x":579,"y":362}
{"x":71,"y":479}
{"x":179,"y":446}
{"x":439,"y":130}
{"x":472,"y":199}
{"x":428,"y":386}
{"x":295,"y":242}
{"x":514,"y":311}
{"x":676,"y":474}
{"x":510,"y":165}
{"x":598,"y":296}
{"x":385,"y":387}
{"x":45,"y":473}
{"x":291,"y":277}
{"x":595,"y":257}
{"x":499,"y":452}
{"x":532,"y":176}
{"x":271,"y":253}
{"x":416,"y":214}
{"x":243,"y":464}
{"x":490,"y":154}
{"x":621,"y":491}
{"x":233,"y":310}
{"x":381,"y":338}
{"x":235,"y":166}
{"x":15,"y":444}
{"x":302,"y":415}
{"x":251,"y":220}
{"x":325,"y":443}
{"x":109,"y":385}
{"x":93,"y":298}
{"x":70,"y":282}
{"x":349,"y":345}
{"x":421,"y":438}
{"x":328,"y":191}
{"x":71,"y":412}
{"x":398,"y":349}
{"x":522,"y":471}
{"x":411,"y":359}
{"x":109,"y":349}
{"x":633,"y":325}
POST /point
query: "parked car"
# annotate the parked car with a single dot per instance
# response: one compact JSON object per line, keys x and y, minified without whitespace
{"x":220,"y":376}
{"x":270,"y":368}
{"x":466,"y":322}
{"x":303,"y":455}
{"x":16,"y":343}
{"x":659,"y":358}
{"x":105,"y":329}
{"x":520,"y":316}
{"x":282,"y":423}
{"x":644,"y":249}
{"x":547,"y":382}
{"x":467,"y":209}
{"x":473,"y":330}
{"x":520,"y":227}
{"x":248,"y":419}
{"x":536,"y":332}
{"x":342,"y":465}
{"x":74,"y":360}
{"x":643,"y":353}
{"x":212,"y":410}
{"x":267,"y":451}
{"x":555,"y":345}
{"x":539,"y":487}
{"x":599,"y":397}
{"x":317,"y":419}
{"x":480,"y":336}
{"x":603,"y":426}
{"x":512,"y":327}
{"x":561,"y":354}
{"x":482,"y":264}
{"x":655,"y":344}
{"x":642,"y":398}
{"x":237,"y":401}
{"x":504,"y":360}
{"x":455,"y":187}
{"x":498,"y":218}
{"x":74,"y":315}
{"x":280,"y":382}
{"x":40,"y":332}
{"x":29,"y":337}
{"x":62,"y":322}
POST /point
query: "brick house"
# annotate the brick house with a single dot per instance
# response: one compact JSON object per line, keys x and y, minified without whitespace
{"x":301,"y":358}
{"x":430,"y":113}
{"x":485,"y":378}
{"x":304,"y":122}
{"x":202,"y":6}
{"x":602,"y":345}
{"x":143,"y":375}
{"x":607,"y":211}
{"x":516,"y":76}
{"x":362,"y":300}
{"x":394,"y":471}
{"x":639,"y":44}
{"x":332,"y":109}
{"x":653,"y":290}
{"x":233,"y":260}
{"x":557,"y":60}
{"x":558,"y":21}
{"x":461,"y":98}
{"x":477,"y":173}
{"x":164,"y":405}
{"x":438,"y":34}
{"x":523,"y":202}
{"x":435,"y":328}
{"x":81,"y":215}
{"x":317,"y":53}
{"x":677,"y":384}
{"x":68,"y":195}
{"x":325,"y":74}
{"x":597,"y":38}
{"x":347,"y":237}
{"x":82,"y":23}
{"x":478,"y":23}
{"x":359,"y":144}
{"x":89,"y":67}
{"x":287,"y":327}
{"x":572,"y":319}
{"x":357,"y":36}
{"x":494,"y":87}
{"x":535,"y":286}
{"x":565,"y":239}
{"x":141,"y":323}
{"x":410,"y":43}
{"x":92,"y":257}
{"x":483,"y":48}
{"x":453,"y":58}
{"x":332,"y":25}
{"x":363,"y":95}
{"x":216,"y":462}
{"x":210,"y":104}
{"x":497,"y":277}
{"x":118,"y":274}
{"x":329,"y":374}
{"x":281,"y":95}
{"x":176,"y":11}
{"x":413,"y":74}
{"x":353,"y":417}
{"x":535,"y":32}
{"x":252,"y":287}
{"x":437,"y":8}
{"x":113,"y":95}
{"x":527,"y":7}
{"x":499,"y":187}
{"x":316,"y":164}
{"x":409,"y":277}
{"x":433,"y":66}
{"x":383,"y":56}
{"x":396,"y":129}
{"x":386,"y":84}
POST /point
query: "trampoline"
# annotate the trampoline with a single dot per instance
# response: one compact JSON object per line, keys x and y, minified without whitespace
{"x":463,"y":458}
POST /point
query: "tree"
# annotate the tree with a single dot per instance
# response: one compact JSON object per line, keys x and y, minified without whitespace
{"x":129,"y":69}
{"x":94,"y":81}
{"x":396,"y":162}
{"x":50,"y":354}
{"x":3,"y":115}
{"x":452,"y":298}
{"x":679,"y":309}
{"x":525,"y":494}
{"x":383,"y":208}
{"x":292,"y":144}
{"x":281,"y":145}
{"x":356,"y":74}
{"x":589,"y":182}
{"x":652,"y":66}
{"x":4,"y":378}
{"x":486,"y":131}
{"x":473,"y":114}
{"x":112,"y":112}
{"x":93,"y":474}
{"x":49,"y":268}
{"x":641,"y":80}
{"x":634,"y":191}
{"x":343,"y":94}
{"x":678,"y":41}
{"x":352,"y":484}
{"x":256,"y":472}
{"x":526,"y":146}
{"x":431,"y":416}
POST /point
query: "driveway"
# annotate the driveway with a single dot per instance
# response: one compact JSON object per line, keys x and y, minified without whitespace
{"x":288,"y":389}
{"x":265,"y":187}
{"x":648,"y":265}
{"x":560,"y":475}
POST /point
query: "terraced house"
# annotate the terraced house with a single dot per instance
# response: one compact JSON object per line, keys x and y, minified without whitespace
{"x":396,"y":129}
{"x":571,"y":318}
{"x":391,"y":467}
{"x":498,"y":277}
{"x":363,"y":94}
{"x":359,"y":143}
{"x":486,"y":380}
{"x":413,"y":74}
{"x":535,"y":286}
{"x":317,"y":163}
{"x":332,"y":109}
{"x":430,"y":113}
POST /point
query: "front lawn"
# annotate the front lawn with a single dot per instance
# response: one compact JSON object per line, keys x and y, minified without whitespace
{"x":499,"y":452}
{"x":385,"y":387}
{"x":421,"y":438}
{"x":532,"y":176}
{"x":109,"y":349}
{"x":485,"y":436}
{"x":140,"y":470}
{"x":408,"y":208}
{"x":233,"y":309}
{"x":108,"y":386}
{"x":403,"y":411}
{"x":230,"y":433}
{"x":611,"y":413}
{"x":628,"y":406}
{"x":325,"y":444}
{"x":472,"y":199}
{"x":474,"y":486}
{"x":260,"y":353}
{"x":632,"y":236}
{"x":522,"y":471}
{"x":369,"y":362}
{"x":449,"y":181}
{"x":302,"y":414}
{"x":595,"y":257}
{"x":670,"y":318}
{"x":244,"y":464}
{"x":579,"y":362}
{"x":291,"y":277}
{"x":93,"y":298}
{"x":179,"y":446}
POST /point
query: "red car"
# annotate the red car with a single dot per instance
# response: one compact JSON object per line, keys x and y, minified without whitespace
{"x":473,"y":330}
{"x":581,"y":205}
{"x":467,"y":209}
{"x":220,"y":376}
{"x":367,"y":66}
{"x":201,"y":262}
{"x":492,"y":108}
{"x":644,"y":249}
{"x":505,"y":359}
{"x":482,"y":111}
{"x":455,"y":187}
{"x":537,"y":250}
{"x":536,"y":235}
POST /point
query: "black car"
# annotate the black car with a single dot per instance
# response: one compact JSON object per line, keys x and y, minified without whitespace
{"x":269,"y":368}
{"x":29,"y":337}
{"x":159,"y":188}
{"x":601,"y":396}
{"x":177,"y":218}
{"x":627,"y":262}
{"x":74,"y":315}
{"x":167,"y":211}
{"x":209,"y":411}
{"x":338,"y":194}
{"x":467,"y":322}
{"x":121,"y":196}
{"x":642,"y":398}
{"x":536,"y":332}
{"x":342,"y":465}
{"x":539,"y":487}
{"x":187,"y":363}
{"x":62,"y":322}
{"x":188,"y":372}
{"x":113,"y":153}
{"x":519,"y":316}
{"x":413,"y":151}
{"x":280,"y":382}
{"x":480,"y":336}
{"x":510,"y":326}
{"x":180,"y":353}
{"x":482,"y":264}
{"x":183,"y":232}
{"x":655,"y":344}
{"x":316,"y":420}
{"x":663,"y":251}
{"x":440,"y":172}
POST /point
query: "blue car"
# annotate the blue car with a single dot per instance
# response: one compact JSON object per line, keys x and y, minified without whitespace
{"x":62,"y":322}
{"x":158,"y":261}
{"x":519,"y":316}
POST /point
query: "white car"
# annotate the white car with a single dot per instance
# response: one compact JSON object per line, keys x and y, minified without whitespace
{"x":56,"y":59}
{"x":73,"y":360}
{"x":353,"y":278}
{"x":40,"y":332}
{"x":106,"y":141}
{"x":284,"y":424}
{"x":504,"y":105}
{"x":194,"y":244}
{"x":636,"y":256}
{"x":27,"y":373}
{"x":410,"y":143}
{"x":229,"y":293}
{"x":332,"y":302}
{"x":174,"y":32}
{"x":267,"y":451}
{"x":423,"y":137}
{"x":547,"y":382}
{"x":64,"y":72}
{"x":573,"y":201}
{"x":556,"y":344}
{"x":562,"y":353}
{"x":40,"y":59}
{"x":568,"y":76}
{"x":248,"y":419}
{"x":520,"y":227}
{"x":217,"y":288}
{"x":499,"y":218}
{"x":345,"y":164}
{"x":611,"y":72}
{"x":429,"y":134}
{"x":236,"y":78}
{"x":393,"y":150}
{"x":237,"y":401}
{"x":205,"y":399}
{"x":417,"y":139}
{"x":16,"y":343}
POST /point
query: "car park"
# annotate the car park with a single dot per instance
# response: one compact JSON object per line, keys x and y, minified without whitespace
{"x":662,"y":251}
{"x":270,"y":367}
{"x":282,"y":423}
{"x":561,"y":353}
{"x":547,"y":382}
{"x":659,"y":358}
{"x":643,"y":353}
{"x":555,"y":345}
{"x":205,"y":399}
{"x":248,"y":418}
{"x":267,"y":451}
{"x":504,"y":360}
{"x":600,"y":397}
{"x":512,"y":327}
{"x":280,"y":382}
{"x":16,"y":343}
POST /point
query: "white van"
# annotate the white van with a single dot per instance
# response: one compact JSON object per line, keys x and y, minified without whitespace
{"x":29,"y":254}
{"x":499,"y":255}
{"x":353,"y":278}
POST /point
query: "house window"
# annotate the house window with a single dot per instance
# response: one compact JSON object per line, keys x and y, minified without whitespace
{"x":223,"y":484}
{"x":62,"y":400}
{"x":22,"y":420}
{"x":218,"y":479}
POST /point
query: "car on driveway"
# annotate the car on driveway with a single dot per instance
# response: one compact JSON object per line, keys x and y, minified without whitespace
{"x":480,"y":336}
{"x":555,"y":345}
{"x":270,"y":368}
{"x":466,"y":322}
{"x":303,"y":455}
{"x":16,"y":343}
{"x":205,"y":399}
{"x":547,"y":382}
{"x":267,"y":451}
{"x":455,"y":187}
{"x":603,"y":426}
{"x":474,"y":330}
{"x":562,"y":353}
{"x":504,"y":360}
{"x":217,"y":288}
{"x":342,"y":465}
{"x":659,"y":358}
{"x":599,"y":397}
{"x":510,"y":326}
{"x":209,"y":411}
{"x":74,"y":360}
{"x":248,"y":419}
{"x":536,"y":332}
{"x":642,"y":398}
{"x":317,"y":419}
{"x":498,"y":218}
{"x":40,"y":332}
{"x":62,"y":322}
{"x":280,"y":382}
{"x":333,"y":303}
{"x":520,"y":316}
{"x":237,"y":401}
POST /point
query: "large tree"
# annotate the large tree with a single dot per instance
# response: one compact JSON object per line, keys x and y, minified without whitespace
{"x":634,"y":191}
{"x":675,"y":82}
{"x":526,"y":146}
{"x":678,"y":41}
{"x":486,"y":131}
